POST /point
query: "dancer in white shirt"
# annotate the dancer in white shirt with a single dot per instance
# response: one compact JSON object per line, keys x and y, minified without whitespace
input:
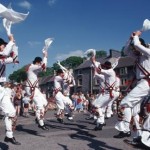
{"x":68,"y":82}
{"x":135,"y":48}
{"x":5,"y":93}
{"x":32,"y":88}
{"x":109,"y":90}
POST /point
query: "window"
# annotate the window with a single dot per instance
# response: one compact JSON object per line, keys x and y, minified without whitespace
{"x":124,"y":81}
{"x":79,"y":72}
{"x":80,"y":82}
{"x":123,"y":71}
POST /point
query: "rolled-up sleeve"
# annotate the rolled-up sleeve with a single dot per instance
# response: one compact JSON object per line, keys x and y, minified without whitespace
{"x":7,"y":49}
{"x":141,"y":48}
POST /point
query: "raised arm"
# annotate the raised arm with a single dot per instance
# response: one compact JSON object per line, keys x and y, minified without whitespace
{"x":140,"y":47}
{"x":7,"y":50}
{"x":62,"y":67}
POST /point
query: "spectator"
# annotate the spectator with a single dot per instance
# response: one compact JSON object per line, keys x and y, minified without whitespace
{"x":26,"y":100}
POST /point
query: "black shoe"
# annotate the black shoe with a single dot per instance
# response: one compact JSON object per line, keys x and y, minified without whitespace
{"x":104,"y":124}
{"x":43,"y":127}
{"x":60,"y":120}
{"x":133,"y":144}
{"x":137,"y":139}
{"x":66,"y":114}
{"x":12,"y":140}
{"x":98,"y":127}
{"x":36,"y":121}
{"x":122,"y":135}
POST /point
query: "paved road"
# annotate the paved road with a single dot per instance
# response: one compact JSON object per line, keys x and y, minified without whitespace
{"x":77,"y":135}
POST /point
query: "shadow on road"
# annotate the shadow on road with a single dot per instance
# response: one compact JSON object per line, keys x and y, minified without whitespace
{"x":94,"y":144}
{"x":81,"y":134}
{"x":64,"y":146}
{"x":21,"y":128}
{"x":3,"y":146}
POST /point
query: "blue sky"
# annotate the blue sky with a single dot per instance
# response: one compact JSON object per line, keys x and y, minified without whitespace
{"x":75,"y":25}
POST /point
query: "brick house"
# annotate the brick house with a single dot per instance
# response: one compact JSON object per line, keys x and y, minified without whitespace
{"x":83,"y":74}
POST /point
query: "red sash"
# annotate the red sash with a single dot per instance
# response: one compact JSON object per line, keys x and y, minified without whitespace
{"x":145,"y":72}
{"x":110,"y":88}
{"x":2,"y":69}
{"x":32,"y":87}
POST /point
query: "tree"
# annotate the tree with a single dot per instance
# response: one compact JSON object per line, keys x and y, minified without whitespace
{"x":101,"y":53}
{"x":71,"y":62}
{"x":18,"y":76}
{"x":49,"y":71}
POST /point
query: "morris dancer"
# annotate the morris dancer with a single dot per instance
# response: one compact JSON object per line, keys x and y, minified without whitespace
{"x":109,"y":92}
{"x":135,"y":48}
{"x":143,"y":127}
{"x":96,"y":102}
{"x":68,"y":82}
{"x":32,"y":88}
{"x":5,"y":95}
{"x":109,"y":111}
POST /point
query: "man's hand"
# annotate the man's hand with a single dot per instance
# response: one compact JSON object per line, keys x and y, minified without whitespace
{"x":92,"y":59}
{"x":45,"y":53}
{"x":11,"y":38}
{"x":138,"y":33}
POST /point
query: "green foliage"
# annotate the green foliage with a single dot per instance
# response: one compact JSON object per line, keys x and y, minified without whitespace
{"x":101,"y":53}
{"x":49,"y":71}
{"x":20,"y":75}
{"x":73,"y":61}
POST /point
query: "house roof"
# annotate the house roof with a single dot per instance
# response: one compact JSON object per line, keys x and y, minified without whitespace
{"x":113,"y":55}
{"x":44,"y":80}
{"x":125,"y":62}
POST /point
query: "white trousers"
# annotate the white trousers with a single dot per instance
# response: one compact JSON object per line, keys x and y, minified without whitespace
{"x":40,"y":102}
{"x":146,"y":134}
{"x":109,"y":111}
{"x":38,"y":98}
{"x":134,"y":97}
{"x":62,"y":101}
{"x":9,"y":111}
{"x":104,"y":100}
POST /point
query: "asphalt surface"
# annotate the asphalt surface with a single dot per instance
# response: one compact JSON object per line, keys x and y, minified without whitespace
{"x":76,"y":135}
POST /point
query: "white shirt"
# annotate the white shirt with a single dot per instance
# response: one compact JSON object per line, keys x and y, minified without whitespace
{"x":33,"y":71}
{"x":110,"y":76}
{"x":58,"y":81}
{"x":3,"y":63}
{"x":144,"y":59}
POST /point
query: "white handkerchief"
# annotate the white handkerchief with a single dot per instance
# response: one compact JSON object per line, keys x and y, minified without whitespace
{"x":90,"y":53}
{"x":12,"y":15}
{"x":146,"y":25}
{"x":48,"y":42}
{"x":7,"y":25}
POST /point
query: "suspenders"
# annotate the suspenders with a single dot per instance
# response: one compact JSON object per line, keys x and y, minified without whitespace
{"x":144,"y":71}
{"x":32,"y":86}
{"x":2,"y":69}
{"x":110,"y":88}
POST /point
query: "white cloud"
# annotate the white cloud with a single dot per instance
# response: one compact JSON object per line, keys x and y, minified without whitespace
{"x":25,"y":4}
{"x":34,"y":43}
{"x":51,"y":2}
{"x":72,"y":53}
